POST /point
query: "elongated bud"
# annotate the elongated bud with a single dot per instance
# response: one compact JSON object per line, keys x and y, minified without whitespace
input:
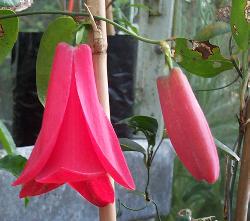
{"x":187,"y":126}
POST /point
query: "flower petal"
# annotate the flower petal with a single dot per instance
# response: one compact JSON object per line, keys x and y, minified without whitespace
{"x":98,"y":191}
{"x":33,"y":188}
{"x":54,"y":111}
{"x":102,"y":133}
{"x":73,"y":158}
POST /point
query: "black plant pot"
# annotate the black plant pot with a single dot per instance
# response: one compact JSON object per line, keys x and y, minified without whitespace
{"x":122,"y":58}
{"x":122,"y":54}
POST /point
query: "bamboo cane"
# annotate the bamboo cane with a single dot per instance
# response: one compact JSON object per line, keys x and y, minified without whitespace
{"x":244,"y":180}
{"x":98,"y":41}
{"x":109,"y":13}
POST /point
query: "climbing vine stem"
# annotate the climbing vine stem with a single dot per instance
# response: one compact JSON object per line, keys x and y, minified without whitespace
{"x":85,"y":14}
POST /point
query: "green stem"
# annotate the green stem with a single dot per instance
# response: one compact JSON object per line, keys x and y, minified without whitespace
{"x":167,"y":52}
{"x":162,"y":43}
{"x":232,"y":57}
{"x":133,"y":209}
{"x":157,"y":148}
{"x":85,"y":14}
{"x":147,"y":197}
{"x":246,"y":75}
{"x":157,"y":210}
{"x":148,"y":165}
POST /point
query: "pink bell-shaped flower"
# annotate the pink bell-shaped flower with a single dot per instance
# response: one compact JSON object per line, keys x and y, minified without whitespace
{"x":187,"y":126}
{"x":77,"y":144}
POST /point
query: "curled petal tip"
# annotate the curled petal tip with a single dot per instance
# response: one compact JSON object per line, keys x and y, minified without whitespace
{"x":33,"y":188}
{"x":98,"y":191}
{"x":15,"y":183}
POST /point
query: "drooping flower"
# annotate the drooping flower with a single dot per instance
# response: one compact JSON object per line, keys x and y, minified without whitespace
{"x":187,"y":126}
{"x":77,"y":144}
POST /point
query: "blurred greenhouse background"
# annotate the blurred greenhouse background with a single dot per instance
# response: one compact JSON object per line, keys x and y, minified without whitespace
{"x":189,"y":17}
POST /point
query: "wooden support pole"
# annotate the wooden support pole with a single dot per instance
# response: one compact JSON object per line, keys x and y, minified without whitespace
{"x":99,"y":47}
{"x":244,"y":180}
{"x":109,"y":13}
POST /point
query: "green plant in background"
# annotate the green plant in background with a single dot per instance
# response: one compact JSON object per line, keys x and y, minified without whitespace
{"x":27,"y":24}
{"x":11,"y":161}
{"x":125,"y":12}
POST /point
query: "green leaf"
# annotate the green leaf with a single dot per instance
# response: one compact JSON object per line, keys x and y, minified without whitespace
{"x":9,"y":3}
{"x":13,"y":164}
{"x":239,"y":24}
{"x":226,"y":149}
{"x":212,"y":30}
{"x":8,"y":33}
{"x":129,"y":145}
{"x":200,"y":58}
{"x":82,"y":34}
{"x":60,"y":30}
{"x":126,"y":23}
{"x":147,"y":125}
{"x":79,"y":35}
{"x":6,"y":139}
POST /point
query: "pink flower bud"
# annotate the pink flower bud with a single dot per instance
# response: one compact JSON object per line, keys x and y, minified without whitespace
{"x":187,"y":126}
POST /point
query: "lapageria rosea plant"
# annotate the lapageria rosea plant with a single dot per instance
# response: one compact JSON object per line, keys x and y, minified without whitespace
{"x":187,"y":126}
{"x":77,"y":144}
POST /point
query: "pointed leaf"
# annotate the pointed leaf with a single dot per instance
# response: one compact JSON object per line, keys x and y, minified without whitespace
{"x":6,"y":139}
{"x":13,"y":164}
{"x":200,"y":58}
{"x":129,"y":145}
{"x":60,"y":30}
{"x":8,"y":33}
{"x":83,"y":33}
{"x":145,"y":124}
{"x":239,"y":24}
{"x":226,"y":149}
